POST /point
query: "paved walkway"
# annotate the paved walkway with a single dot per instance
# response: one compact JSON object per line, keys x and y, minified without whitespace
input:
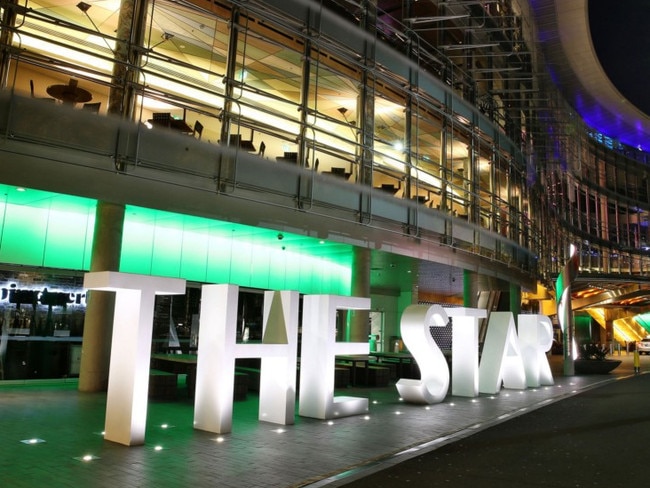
{"x":310,"y":453}
{"x":598,"y":438}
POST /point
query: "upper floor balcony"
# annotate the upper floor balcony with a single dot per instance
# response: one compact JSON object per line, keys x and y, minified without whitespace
{"x":64,"y":149}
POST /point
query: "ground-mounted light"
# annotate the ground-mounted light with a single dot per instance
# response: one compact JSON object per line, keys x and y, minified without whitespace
{"x":86,"y":458}
{"x":33,"y":440}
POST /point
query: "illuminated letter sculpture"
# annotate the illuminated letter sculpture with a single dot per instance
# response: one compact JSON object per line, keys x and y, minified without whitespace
{"x":278,"y":375}
{"x":128,"y":380}
{"x":317,"y":359}
{"x":215,"y":372}
{"x":464,"y":367}
{"x":535,"y":339}
{"x":501,"y":360}
{"x":434,"y":372}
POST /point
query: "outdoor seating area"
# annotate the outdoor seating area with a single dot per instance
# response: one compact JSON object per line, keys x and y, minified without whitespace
{"x":174,"y":372}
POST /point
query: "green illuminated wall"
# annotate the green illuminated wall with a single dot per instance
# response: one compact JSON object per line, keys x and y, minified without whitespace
{"x":46,"y":230}
{"x":55,"y":231}
{"x":583,"y":327}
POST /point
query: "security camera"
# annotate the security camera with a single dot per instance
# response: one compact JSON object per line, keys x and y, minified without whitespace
{"x":280,"y":236}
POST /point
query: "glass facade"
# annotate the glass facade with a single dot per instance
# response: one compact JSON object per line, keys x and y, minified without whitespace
{"x":444,"y":115}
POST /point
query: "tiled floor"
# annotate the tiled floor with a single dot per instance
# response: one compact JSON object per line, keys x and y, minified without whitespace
{"x":310,"y":453}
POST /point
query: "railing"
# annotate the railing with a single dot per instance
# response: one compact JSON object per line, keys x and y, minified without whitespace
{"x":92,"y":155}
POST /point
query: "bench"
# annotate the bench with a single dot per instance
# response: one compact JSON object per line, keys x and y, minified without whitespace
{"x":163,"y":385}
{"x":240,"y":389}
{"x":378,"y":376}
{"x":253,"y":377}
{"x":341,"y":376}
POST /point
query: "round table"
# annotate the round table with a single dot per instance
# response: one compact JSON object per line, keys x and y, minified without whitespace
{"x":70,"y":93}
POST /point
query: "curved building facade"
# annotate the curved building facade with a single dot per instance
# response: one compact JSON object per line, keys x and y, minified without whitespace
{"x":407,"y":151}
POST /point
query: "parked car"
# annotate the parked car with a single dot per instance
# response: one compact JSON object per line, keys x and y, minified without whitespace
{"x":643,"y":346}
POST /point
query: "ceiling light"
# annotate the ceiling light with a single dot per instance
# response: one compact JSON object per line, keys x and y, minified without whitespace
{"x":456,"y":47}
{"x":437,"y":18}
{"x":496,"y":70}
{"x":166,"y":36}
{"x":84,"y":7}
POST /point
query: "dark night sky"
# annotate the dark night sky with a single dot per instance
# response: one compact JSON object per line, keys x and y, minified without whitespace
{"x":620,"y":31}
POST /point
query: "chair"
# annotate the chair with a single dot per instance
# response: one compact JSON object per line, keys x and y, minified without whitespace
{"x":198,"y":129}
{"x":234,"y":140}
{"x":31,"y":91}
{"x":92,"y":107}
{"x":162,"y":118}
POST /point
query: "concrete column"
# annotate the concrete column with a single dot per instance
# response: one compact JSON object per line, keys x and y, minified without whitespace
{"x":109,"y":217}
{"x":98,"y":324}
{"x":366,"y":102}
{"x":359,"y":326}
{"x":6,"y":39}
{"x":475,"y":283}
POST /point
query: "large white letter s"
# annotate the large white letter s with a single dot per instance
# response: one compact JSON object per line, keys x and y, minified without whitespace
{"x":434,"y":372}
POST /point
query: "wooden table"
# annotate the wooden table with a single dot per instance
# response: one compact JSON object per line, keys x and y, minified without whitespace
{"x":401,"y":357}
{"x":70,"y":93}
{"x":174,"y":363}
{"x":186,"y":364}
{"x":178,"y":125}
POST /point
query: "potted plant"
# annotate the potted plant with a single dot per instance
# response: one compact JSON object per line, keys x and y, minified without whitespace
{"x":592,"y":359}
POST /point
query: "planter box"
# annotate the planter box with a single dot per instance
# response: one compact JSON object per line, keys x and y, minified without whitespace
{"x":595,"y":366}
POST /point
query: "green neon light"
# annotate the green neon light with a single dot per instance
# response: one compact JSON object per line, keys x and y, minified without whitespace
{"x":52,"y":230}
{"x":204,"y":250}
{"x":45,"y":229}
